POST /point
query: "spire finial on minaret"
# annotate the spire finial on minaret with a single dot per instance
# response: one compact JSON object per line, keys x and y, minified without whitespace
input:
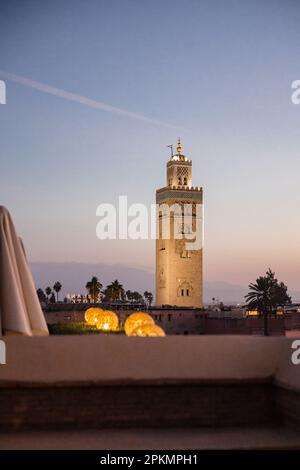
{"x":179,"y":148}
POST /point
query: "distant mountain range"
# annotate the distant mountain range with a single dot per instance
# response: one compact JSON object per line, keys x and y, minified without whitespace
{"x":74,"y":276}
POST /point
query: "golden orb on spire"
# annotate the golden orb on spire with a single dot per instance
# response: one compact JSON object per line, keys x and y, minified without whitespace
{"x":179,"y":148}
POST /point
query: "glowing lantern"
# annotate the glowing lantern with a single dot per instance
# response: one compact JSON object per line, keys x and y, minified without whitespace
{"x":148,"y":330}
{"x":91,"y":315}
{"x":135,"y":320}
{"x":107,"y":321}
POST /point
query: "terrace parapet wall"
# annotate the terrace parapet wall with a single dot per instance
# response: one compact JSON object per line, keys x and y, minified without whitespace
{"x":67,"y":382}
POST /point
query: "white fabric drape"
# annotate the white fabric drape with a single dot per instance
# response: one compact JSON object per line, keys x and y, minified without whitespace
{"x":20,"y":310}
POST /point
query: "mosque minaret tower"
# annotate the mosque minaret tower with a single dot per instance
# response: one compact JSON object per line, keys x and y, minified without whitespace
{"x":179,"y":279}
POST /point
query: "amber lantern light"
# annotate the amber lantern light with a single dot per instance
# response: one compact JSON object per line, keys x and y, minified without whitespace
{"x":148,"y":330}
{"x":136,"y":320}
{"x":107,"y":321}
{"x":91,"y":315}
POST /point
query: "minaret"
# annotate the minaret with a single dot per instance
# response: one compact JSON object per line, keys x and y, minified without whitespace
{"x":178,"y":269}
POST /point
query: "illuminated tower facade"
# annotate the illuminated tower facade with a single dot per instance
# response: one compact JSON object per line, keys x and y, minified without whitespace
{"x":178,"y":267}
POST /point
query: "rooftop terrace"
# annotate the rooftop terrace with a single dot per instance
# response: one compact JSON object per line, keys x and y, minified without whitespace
{"x":173,"y":392}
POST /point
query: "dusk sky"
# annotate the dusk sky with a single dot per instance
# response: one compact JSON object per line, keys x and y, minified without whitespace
{"x":218,"y":74}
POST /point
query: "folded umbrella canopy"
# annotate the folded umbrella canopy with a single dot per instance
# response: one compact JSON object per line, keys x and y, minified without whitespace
{"x":20,"y":310}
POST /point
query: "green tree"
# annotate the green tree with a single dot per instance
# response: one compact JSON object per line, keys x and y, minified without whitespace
{"x":52,"y":298}
{"x":57,"y":287}
{"x":149,"y":297}
{"x":41,"y":295}
{"x":114,"y":292}
{"x":94,"y":287}
{"x":266,"y":295}
{"x":129,"y":295}
{"x":137,"y":297}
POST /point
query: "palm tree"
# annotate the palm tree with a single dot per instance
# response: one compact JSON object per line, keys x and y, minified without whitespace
{"x":114,"y":292}
{"x":265,"y":295}
{"x":57,"y":287}
{"x":94,"y":287}
{"x":48,"y":291}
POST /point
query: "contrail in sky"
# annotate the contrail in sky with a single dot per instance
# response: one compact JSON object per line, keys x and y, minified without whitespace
{"x":80,"y":99}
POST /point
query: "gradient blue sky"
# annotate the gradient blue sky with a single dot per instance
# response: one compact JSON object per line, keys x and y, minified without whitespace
{"x":219,"y":72}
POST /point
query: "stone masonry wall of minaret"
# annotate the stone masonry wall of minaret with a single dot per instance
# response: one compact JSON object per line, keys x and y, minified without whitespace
{"x":179,"y":278}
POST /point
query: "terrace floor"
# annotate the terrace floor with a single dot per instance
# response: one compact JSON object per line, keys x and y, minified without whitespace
{"x":154,"y":439}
